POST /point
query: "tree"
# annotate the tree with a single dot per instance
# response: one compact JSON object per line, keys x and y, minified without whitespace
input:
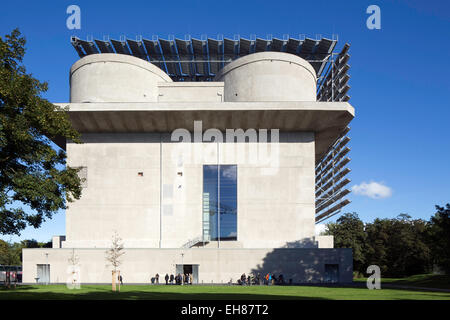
{"x":113,"y":256}
{"x":348,"y":232}
{"x":377,"y":241}
{"x":398,"y":246}
{"x":440,"y":237}
{"x":9,"y":254}
{"x":34,"y":182}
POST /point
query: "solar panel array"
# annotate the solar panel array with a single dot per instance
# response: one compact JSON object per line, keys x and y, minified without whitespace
{"x":201,"y":59}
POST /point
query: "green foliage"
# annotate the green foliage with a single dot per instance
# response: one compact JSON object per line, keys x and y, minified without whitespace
{"x":11,"y":253}
{"x":34,"y":182}
{"x":349,"y":232}
{"x":400,"y":247}
{"x":440,"y":237}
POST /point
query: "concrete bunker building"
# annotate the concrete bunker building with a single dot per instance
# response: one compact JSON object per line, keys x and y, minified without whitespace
{"x":214,"y":157}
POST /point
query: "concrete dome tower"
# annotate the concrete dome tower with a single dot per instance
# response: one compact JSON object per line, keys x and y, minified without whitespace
{"x":269,"y":76}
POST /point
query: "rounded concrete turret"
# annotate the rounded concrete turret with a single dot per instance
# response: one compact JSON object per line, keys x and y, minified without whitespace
{"x":268,"y":76}
{"x":110,"y":77}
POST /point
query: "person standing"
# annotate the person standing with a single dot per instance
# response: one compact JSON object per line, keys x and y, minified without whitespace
{"x":157,"y":278}
{"x":171,"y":279}
{"x":281,"y":279}
{"x":190,"y":278}
{"x":167,"y":279}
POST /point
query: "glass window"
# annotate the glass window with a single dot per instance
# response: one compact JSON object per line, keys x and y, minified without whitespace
{"x":220,"y":202}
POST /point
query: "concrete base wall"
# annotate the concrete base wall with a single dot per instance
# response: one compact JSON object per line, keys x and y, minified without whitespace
{"x":215,"y":265}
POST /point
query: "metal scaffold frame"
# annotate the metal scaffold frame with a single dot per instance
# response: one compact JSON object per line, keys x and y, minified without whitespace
{"x":331,"y":179}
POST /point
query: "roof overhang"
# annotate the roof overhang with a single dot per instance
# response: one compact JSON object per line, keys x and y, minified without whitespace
{"x":326,"y":119}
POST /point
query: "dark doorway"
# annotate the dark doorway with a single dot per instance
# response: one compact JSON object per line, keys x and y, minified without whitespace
{"x":188,"y":269}
{"x":331,"y":273}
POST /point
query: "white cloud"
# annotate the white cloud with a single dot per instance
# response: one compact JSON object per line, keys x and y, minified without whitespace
{"x":374,"y":190}
{"x":320,"y":228}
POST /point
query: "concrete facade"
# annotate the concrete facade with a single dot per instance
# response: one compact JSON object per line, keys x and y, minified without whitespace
{"x":142,"y":162}
{"x":130,"y":203}
{"x":215,"y":265}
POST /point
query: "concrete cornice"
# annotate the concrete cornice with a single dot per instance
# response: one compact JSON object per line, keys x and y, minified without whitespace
{"x":216,"y":106}
{"x":326,"y":119}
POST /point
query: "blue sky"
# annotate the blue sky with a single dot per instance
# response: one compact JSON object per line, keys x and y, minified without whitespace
{"x":399,"y":76}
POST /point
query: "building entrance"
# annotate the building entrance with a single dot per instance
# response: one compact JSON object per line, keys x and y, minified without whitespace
{"x":188,"y":269}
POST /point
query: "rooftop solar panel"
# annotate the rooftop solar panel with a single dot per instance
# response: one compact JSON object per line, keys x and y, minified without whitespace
{"x":261,"y":45}
{"x":170,"y":57}
{"x":277,"y":45}
{"x":89,"y":47}
{"x":292,"y":46}
{"x":230,"y":48}
{"x":244,"y":47}
{"x":215,"y":48}
{"x":155,"y":53}
{"x":186,"y":57}
{"x":78,"y":48}
{"x":308,"y":46}
{"x":120,"y":47}
{"x":137,"y":49}
{"x":199,"y":54}
{"x":104,"y":46}
{"x":200,"y":60}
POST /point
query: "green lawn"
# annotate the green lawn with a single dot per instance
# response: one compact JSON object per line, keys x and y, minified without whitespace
{"x":215,"y":292}
{"x":420,"y":280}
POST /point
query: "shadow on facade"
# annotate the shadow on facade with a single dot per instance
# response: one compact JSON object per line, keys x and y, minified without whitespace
{"x":302,"y":262}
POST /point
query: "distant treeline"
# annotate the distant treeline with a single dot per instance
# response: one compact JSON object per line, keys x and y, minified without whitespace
{"x":400,"y":247}
{"x":11,"y":253}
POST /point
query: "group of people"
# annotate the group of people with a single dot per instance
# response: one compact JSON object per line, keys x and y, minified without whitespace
{"x":268,"y":279}
{"x":251,"y":279}
{"x":177,"y":279}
